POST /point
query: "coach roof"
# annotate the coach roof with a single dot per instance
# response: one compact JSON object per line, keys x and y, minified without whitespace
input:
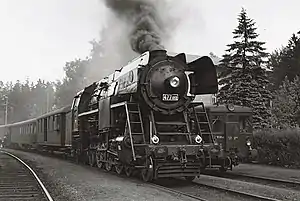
{"x":58,"y":111}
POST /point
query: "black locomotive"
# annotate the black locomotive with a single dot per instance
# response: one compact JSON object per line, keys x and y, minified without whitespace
{"x":140,"y":119}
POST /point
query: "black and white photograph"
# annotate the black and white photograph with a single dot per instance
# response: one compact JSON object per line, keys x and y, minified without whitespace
{"x":149,"y":100}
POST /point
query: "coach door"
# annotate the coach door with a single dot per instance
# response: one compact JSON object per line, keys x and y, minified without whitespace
{"x":232,"y":131}
{"x":245,"y":131}
{"x":217,"y":125}
{"x":45,"y":129}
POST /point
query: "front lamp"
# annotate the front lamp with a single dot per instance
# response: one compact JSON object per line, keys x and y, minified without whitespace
{"x":174,"y":82}
{"x":155,"y":139}
{"x":198,"y":139}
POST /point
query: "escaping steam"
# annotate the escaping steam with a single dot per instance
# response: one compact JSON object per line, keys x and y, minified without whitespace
{"x":143,"y":18}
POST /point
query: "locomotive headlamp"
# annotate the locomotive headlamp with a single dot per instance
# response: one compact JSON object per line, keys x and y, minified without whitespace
{"x":155,"y":139}
{"x":248,"y":143}
{"x":174,"y":81}
{"x":198,"y":139}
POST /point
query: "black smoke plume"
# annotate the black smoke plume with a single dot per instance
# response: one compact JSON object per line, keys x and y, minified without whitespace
{"x":143,"y":16}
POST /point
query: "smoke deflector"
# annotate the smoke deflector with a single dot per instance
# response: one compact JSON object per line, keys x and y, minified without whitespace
{"x":204,"y":79}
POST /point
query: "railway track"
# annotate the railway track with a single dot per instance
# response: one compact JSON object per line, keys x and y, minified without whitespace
{"x":257,"y":179}
{"x":178,"y":192}
{"x":237,"y":192}
{"x":198,"y":190}
{"x":19,"y":182}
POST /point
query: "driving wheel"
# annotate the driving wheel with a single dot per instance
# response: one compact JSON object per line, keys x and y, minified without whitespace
{"x":108,"y":165}
{"x":99,"y":159}
{"x":128,"y":171}
{"x":119,"y":168}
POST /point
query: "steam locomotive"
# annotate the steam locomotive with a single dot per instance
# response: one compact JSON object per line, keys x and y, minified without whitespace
{"x":140,"y":119}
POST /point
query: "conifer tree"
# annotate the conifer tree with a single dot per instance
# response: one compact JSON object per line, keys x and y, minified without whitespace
{"x":286,"y":62}
{"x":244,"y":80}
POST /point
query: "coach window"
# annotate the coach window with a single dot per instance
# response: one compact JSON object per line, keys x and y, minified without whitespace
{"x":58,"y":122}
{"x":48,"y":123}
{"x":41,"y":125}
{"x":38,"y":126}
{"x":217,"y":124}
{"x":245,"y":124}
{"x":54,"y":122}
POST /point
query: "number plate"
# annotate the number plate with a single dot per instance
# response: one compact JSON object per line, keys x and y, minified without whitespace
{"x":170,"y":97}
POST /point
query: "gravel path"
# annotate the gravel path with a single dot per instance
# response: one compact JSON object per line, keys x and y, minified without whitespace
{"x":268,"y":171}
{"x":70,"y":182}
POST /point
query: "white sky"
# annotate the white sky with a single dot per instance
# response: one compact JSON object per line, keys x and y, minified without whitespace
{"x":37,"y":37}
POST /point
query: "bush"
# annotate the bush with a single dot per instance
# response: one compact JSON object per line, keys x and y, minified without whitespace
{"x":278,"y":147}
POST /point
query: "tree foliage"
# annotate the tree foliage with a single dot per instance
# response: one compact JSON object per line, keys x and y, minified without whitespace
{"x":286,"y":104}
{"x":286,"y":61}
{"x":73,"y":82}
{"x":25,"y":100}
{"x":244,"y":81}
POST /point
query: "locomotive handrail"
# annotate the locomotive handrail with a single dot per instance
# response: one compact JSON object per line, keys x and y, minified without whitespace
{"x":118,"y":104}
{"x":88,"y":112}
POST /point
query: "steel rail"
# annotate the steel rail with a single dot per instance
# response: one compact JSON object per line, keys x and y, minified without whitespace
{"x":236,"y":192}
{"x":45,"y":191}
{"x":160,"y":187}
{"x":230,"y":175}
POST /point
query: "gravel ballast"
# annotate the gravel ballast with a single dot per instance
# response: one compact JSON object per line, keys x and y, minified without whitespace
{"x":268,"y":171}
{"x":252,"y":188}
{"x":67,"y":181}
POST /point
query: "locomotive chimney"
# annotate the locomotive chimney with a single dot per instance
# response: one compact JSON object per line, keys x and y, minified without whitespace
{"x":158,"y":53}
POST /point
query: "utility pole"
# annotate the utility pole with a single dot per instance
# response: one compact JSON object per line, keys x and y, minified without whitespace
{"x":6,"y":109}
{"x":47,"y":103}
